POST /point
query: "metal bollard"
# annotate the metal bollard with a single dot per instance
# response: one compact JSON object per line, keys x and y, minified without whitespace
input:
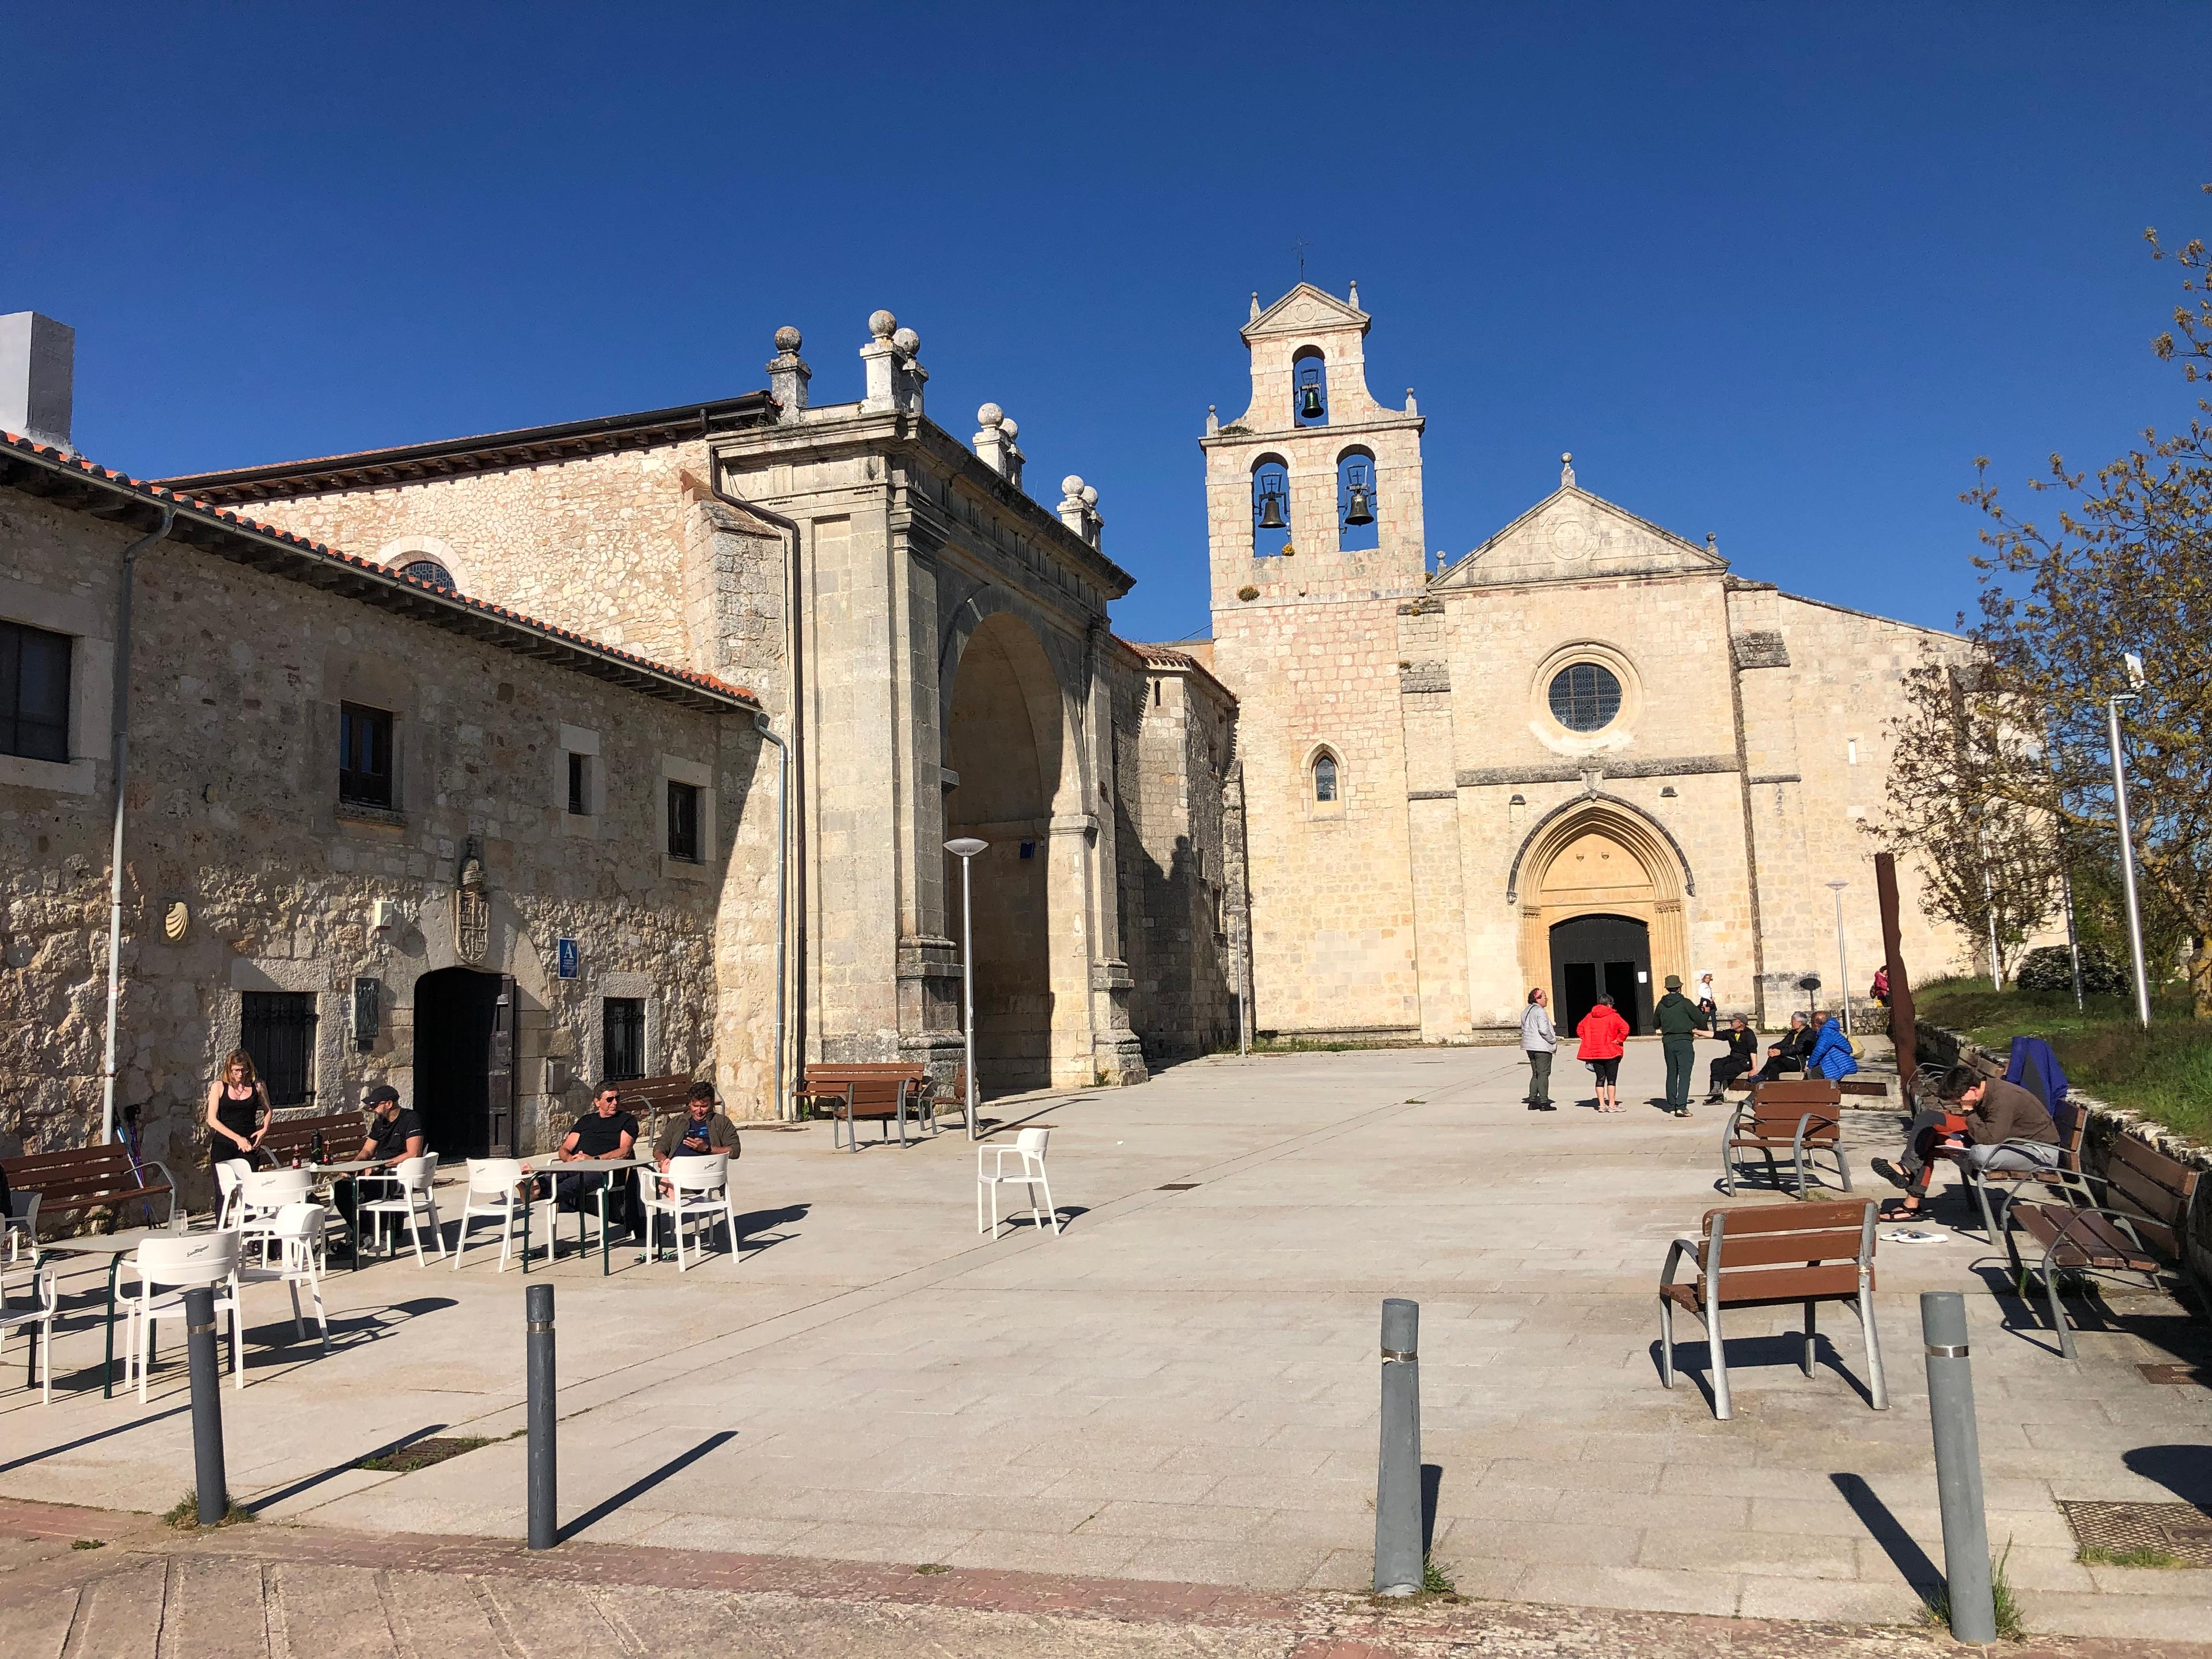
{"x":544,"y":1507}
{"x":1398,"y":1564}
{"x":210,"y":1477}
{"x":1958,"y":1467}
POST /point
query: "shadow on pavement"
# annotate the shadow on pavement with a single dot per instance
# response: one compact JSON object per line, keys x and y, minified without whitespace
{"x":605,"y":1507}
{"x":1922,"y":1575}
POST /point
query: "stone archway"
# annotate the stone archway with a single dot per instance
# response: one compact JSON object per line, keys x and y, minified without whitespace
{"x":1006,"y":745}
{"x":1598,"y":860}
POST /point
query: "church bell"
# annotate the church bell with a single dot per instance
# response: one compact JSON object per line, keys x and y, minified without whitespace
{"x":1309,"y":401}
{"x":1362,"y":511}
{"x":1271,"y":511}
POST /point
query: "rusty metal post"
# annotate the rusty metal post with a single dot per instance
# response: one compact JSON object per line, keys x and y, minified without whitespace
{"x":1904,"y":1032}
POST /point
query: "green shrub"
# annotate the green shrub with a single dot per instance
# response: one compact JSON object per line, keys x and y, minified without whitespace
{"x":2050,"y":969}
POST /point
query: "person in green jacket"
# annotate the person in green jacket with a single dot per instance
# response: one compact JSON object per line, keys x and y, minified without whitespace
{"x":1680,"y":1020}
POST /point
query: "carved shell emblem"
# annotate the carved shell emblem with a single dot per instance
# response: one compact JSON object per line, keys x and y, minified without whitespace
{"x":176,"y":920}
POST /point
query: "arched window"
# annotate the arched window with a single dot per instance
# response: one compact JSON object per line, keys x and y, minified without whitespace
{"x":1309,"y":387}
{"x":1324,"y":778}
{"x":1271,"y":505}
{"x":430,"y":571}
{"x":1356,"y":504}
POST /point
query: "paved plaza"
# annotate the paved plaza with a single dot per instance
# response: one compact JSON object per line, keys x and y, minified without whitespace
{"x":1182,"y":1387}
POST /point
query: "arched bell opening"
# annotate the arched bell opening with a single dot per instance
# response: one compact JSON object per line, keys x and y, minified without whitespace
{"x":1271,"y":507}
{"x":1309,"y":387}
{"x":1357,"y":502}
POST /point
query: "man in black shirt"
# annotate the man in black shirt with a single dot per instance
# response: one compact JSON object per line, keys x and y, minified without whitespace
{"x":1788,"y":1054}
{"x":606,"y":1131}
{"x":1742,"y":1050}
{"x":394,"y":1132}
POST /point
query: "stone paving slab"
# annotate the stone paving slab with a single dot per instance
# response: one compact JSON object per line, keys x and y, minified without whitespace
{"x":276,"y":1591}
{"x":1182,"y":1384}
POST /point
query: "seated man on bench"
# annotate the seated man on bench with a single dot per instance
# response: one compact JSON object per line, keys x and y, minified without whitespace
{"x":1742,"y":1043}
{"x":2006,"y":1128}
{"x":1788,"y":1054}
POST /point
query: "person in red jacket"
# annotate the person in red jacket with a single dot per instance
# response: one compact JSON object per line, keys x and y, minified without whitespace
{"x":1600,"y":1036}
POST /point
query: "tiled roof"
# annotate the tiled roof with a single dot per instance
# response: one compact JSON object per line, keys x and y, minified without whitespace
{"x":1166,"y":656}
{"x":40,"y":470}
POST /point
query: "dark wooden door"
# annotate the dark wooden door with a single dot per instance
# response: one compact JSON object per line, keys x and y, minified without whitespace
{"x":1602,"y":952}
{"x":500,"y":1070}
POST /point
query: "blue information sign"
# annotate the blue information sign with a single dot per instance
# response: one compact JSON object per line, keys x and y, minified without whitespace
{"x":570,"y":958}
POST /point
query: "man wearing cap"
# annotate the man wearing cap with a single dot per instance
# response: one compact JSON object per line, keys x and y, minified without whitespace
{"x":395,"y":1133}
{"x":1680,"y":1020}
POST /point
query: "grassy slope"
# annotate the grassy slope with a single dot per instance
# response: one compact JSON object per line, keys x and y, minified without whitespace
{"x":2164,"y":1072}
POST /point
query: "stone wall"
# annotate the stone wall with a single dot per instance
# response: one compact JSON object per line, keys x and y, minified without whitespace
{"x":233,"y":814}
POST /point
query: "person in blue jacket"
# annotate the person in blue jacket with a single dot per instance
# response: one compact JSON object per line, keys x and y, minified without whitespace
{"x":1832,"y":1052}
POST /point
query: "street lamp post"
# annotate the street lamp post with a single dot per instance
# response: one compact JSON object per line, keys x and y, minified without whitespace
{"x":1989,"y":893}
{"x":965,"y":848}
{"x":2127,"y":838}
{"x":1842,"y":960}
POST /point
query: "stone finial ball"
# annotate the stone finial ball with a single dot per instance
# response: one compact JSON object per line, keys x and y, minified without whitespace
{"x":1071,"y":485}
{"x":907,"y":341}
{"x":1010,"y":429}
{"x":1090,"y":495}
{"x":787,"y":339}
{"x":989,"y":415}
{"x":881,"y":323}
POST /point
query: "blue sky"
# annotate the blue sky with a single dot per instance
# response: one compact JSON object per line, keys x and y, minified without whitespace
{"x":1779,"y":272}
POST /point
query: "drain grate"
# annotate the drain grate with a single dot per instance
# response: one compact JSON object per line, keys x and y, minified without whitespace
{"x":2180,"y":1530}
{"x":2201,"y":1375}
{"x":1177,"y":1187}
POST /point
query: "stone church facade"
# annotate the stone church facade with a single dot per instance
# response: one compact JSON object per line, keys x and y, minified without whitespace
{"x":1584,"y":755}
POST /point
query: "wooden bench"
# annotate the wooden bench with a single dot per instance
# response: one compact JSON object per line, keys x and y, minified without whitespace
{"x":90,"y":1178}
{"x":1771,"y":1256}
{"x":1801,"y":1119}
{"x":2137,"y":1230}
{"x":291,"y":1138}
{"x":882,"y":1091}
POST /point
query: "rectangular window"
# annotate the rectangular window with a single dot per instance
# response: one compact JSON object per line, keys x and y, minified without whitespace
{"x":34,"y":692}
{"x":623,"y":1055}
{"x":277,"y":1028}
{"x":579,"y":795}
{"x":684,"y":821}
{"x":364,"y":756}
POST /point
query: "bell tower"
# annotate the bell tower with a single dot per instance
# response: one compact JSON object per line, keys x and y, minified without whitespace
{"x":1315,"y":491}
{"x":1316,"y":546}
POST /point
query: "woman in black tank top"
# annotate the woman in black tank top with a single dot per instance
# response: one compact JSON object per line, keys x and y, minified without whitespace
{"x":237,"y":1111}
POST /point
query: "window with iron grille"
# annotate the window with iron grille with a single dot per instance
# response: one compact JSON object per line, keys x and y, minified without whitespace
{"x":277,"y":1029}
{"x":1585,"y":698}
{"x":684,"y":821}
{"x":34,"y":692}
{"x":364,"y":755}
{"x":622,"y":1057}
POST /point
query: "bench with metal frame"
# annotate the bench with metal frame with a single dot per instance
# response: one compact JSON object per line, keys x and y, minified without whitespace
{"x":881,"y":1090}
{"x":2065,"y":1177}
{"x":1773,"y":1255}
{"x":1801,"y":1119}
{"x":2136,"y":1230}
{"x":91,"y":1178}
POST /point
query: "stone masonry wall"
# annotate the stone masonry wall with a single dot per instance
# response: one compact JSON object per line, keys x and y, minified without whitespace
{"x":234,"y":811}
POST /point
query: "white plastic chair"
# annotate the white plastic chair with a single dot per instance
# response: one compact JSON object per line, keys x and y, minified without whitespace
{"x":188,"y":1259}
{"x":227,"y":1198}
{"x":412,"y":1176}
{"x":261,"y":1195}
{"x":699,"y":1191}
{"x":298,"y":1231}
{"x":492,"y":1184}
{"x":45,"y":1299}
{"x":1028,"y":1147}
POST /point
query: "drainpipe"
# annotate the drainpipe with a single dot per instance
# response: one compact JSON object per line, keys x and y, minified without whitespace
{"x":121,"y":714}
{"x":783,"y":779}
{"x":782,"y":887}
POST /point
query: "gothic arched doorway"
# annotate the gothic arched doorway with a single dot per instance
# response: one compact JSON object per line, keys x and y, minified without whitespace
{"x":1004,"y":747}
{"x":464,"y":1062}
{"x":1600,"y":890}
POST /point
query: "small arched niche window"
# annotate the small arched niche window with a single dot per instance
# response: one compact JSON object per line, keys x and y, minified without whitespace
{"x":1356,"y":504}
{"x":1271,"y":505}
{"x":430,"y":571}
{"x":1324,"y":778}
{"x":1309,"y":387}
